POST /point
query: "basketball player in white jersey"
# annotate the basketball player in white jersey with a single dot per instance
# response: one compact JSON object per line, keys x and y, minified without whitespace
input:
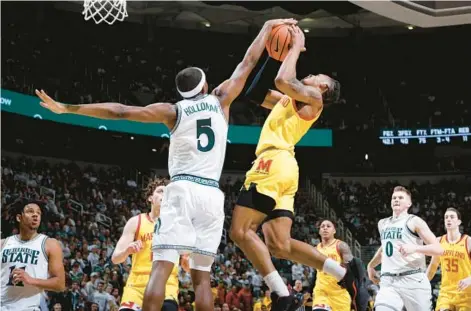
{"x":31,"y":263}
{"x":404,"y":282}
{"x":192,"y":214}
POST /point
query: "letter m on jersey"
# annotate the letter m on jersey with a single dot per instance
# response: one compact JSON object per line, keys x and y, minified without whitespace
{"x":264,"y":166}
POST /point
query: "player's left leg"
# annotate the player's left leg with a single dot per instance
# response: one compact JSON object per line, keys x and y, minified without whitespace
{"x":416,"y":292}
{"x":154,"y":296}
{"x":200,"y":267}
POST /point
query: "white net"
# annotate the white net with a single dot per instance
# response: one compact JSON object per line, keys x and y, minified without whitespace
{"x":107,"y":11}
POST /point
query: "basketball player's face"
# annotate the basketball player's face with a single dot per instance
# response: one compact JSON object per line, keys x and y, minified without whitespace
{"x":317,"y":80}
{"x":400,"y":201}
{"x":451,"y":220}
{"x":157,"y":195}
{"x":30,"y":217}
{"x":327,"y":229}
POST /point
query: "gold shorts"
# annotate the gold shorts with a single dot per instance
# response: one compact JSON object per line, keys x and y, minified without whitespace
{"x":133,"y":292}
{"x":335,"y":301}
{"x":454,"y":301}
{"x":274,"y":174}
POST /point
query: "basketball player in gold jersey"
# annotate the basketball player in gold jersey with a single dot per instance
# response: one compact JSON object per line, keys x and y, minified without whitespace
{"x":136,"y":240}
{"x":327,"y":293}
{"x":270,"y":185}
{"x":455,"y":290}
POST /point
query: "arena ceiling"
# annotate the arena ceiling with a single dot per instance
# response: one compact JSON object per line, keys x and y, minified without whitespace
{"x":318,"y":18}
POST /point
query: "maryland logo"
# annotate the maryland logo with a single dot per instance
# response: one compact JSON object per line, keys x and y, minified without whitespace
{"x":263,"y":166}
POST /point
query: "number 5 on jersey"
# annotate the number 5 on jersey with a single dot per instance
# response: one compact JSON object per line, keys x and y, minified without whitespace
{"x":203,"y":127}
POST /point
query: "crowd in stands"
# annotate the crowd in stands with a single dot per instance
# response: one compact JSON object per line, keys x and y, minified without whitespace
{"x":80,"y":199}
{"x":80,"y":62}
{"x":132,"y":63}
{"x":87,"y":210}
{"x":363,"y":205}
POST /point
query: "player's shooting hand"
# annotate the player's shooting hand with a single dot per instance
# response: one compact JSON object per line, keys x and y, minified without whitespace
{"x":464,"y":284}
{"x":297,"y":38}
{"x":407,"y":249}
{"x":373,"y":275}
{"x":280,"y":21}
{"x":185,"y":263}
{"x":21,"y":276}
{"x":49,"y":103}
{"x":134,"y":247}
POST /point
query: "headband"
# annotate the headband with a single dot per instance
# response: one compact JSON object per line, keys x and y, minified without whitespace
{"x":197,"y":88}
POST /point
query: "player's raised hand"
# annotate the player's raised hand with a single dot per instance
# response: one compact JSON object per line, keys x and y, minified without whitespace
{"x":21,"y":276}
{"x":464,"y":284}
{"x":407,"y":249}
{"x":298,"y":40}
{"x":281,"y":21}
{"x":49,"y":103}
{"x":134,"y":247}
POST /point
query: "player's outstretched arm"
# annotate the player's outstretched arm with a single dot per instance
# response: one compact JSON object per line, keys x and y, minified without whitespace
{"x":126,"y":244}
{"x":56,"y":280}
{"x":432,"y":247}
{"x":228,"y":91}
{"x":286,"y":80}
{"x":155,"y":113}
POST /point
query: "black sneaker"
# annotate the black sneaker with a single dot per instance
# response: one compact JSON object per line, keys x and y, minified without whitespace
{"x":285,"y":303}
{"x":353,"y":282}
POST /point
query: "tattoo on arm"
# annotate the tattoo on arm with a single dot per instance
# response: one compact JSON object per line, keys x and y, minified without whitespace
{"x":345,"y":252}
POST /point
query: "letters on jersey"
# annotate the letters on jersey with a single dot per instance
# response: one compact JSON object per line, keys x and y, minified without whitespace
{"x":31,"y":257}
{"x":22,"y":255}
{"x":198,"y":140}
{"x":202,"y":106}
{"x":394,"y":232}
{"x":455,"y":262}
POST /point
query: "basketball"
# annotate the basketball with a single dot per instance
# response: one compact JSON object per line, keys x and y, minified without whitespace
{"x":278,"y":42}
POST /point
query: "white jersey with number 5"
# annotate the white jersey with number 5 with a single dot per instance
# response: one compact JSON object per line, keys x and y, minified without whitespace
{"x":198,"y":139}
{"x":30,"y":256}
{"x":394,"y":232}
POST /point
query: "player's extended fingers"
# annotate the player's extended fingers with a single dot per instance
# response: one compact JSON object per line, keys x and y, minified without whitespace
{"x":38,"y":93}
{"x":139,"y":243}
{"x":46,"y":97}
{"x":290,"y":21}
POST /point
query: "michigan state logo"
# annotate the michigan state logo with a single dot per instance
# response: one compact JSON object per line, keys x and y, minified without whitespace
{"x":157,"y":226}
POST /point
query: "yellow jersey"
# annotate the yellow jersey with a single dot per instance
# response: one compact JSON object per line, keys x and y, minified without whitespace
{"x":284,"y":127}
{"x":455,"y":263}
{"x":142,"y":261}
{"x":326,"y":282}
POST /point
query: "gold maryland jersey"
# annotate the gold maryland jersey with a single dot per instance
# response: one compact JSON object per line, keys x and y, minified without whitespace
{"x":142,"y":261}
{"x":326,"y":282}
{"x":284,"y":127}
{"x":455,"y":262}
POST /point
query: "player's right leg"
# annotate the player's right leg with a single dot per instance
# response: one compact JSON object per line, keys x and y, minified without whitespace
{"x":154,"y":295}
{"x":250,"y":211}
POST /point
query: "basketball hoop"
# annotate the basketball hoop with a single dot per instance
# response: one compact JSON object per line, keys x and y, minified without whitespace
{"x":107,"y":11}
